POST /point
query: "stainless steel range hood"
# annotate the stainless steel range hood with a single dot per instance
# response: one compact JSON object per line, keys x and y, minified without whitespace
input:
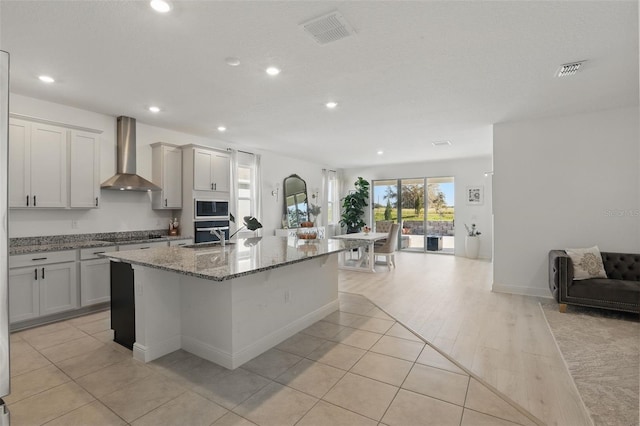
{"x":126,"y":178}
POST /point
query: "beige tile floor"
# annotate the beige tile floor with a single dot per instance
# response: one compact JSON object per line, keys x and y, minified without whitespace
{"x":353,"y":368}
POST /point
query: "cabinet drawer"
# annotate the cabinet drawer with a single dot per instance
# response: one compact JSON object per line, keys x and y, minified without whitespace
{"x":92,"y":253}
{"x":142,"y":246}
{"x":175,"y":243}
{"x":36,"y":259}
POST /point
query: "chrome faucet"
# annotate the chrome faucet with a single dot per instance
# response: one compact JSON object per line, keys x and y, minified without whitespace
{"x":218,"y":232}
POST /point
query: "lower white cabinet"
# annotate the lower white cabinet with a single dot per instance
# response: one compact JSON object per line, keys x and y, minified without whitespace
{"x":58,"y":288}
{"x":24,"y":294}
{"x":95,"y":281}
{"x":178,"y":243}
{"x":42,"y":290}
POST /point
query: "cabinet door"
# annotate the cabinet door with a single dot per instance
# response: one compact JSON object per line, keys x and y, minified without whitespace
{"x":85,"y":170}
{"x":221,"y":172}
{"x":19,"y":164}
{"x":48,"y":166}
{"x":202,"y":170}
{"x":24,"y":294}
{"x":172,"y":177}
{"x":95,"y":281}
{"x":59,"y":288}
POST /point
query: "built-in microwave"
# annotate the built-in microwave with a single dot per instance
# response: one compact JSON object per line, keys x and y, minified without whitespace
{"x":211,"y":209}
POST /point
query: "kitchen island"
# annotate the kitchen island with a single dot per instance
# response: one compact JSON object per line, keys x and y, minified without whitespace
{"x":229,"y":304}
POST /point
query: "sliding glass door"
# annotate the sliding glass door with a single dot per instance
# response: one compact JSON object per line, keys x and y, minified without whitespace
{"x":424,"y":206}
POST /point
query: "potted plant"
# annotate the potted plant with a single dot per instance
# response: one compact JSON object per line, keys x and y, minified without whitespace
{"x":472,"y":241}
{"x":353,"y":207}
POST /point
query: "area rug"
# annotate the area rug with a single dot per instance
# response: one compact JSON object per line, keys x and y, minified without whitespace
{"x":602,"y":351}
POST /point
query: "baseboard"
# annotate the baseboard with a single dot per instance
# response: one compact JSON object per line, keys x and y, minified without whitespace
{"x":147,"y":353}
{"x":523,"y":291}
{"x":236,"y":359}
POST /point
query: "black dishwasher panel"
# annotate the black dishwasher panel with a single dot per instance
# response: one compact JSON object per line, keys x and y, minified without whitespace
{"x":123,"y":314}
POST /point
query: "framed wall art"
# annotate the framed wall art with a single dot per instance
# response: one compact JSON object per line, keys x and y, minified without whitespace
{"x":475,"y":195}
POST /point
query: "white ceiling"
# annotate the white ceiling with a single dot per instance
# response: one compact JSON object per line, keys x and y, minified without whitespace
{"x":415,"y":72}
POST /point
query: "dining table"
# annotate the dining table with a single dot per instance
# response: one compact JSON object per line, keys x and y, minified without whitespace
{"x":366,"y":260}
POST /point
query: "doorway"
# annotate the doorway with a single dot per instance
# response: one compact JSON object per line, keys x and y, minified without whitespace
{"x":424,"y":206}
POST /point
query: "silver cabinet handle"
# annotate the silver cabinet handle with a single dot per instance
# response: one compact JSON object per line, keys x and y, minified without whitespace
{"x":43,"y":273}
{"x":98,"y":252}
{"x":27,"y":201}
{"x":36,"y":273}
{"x":96,"y":201}
{"x":165,"y":202}
{"x":39,"y":258}
{"x":34,"y":201}
{"x":211,"y":185}
{"x":144,"y":248}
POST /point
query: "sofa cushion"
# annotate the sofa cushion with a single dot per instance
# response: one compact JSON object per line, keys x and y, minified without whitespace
{"x":587,"y":263}
{"x":621,"y":291}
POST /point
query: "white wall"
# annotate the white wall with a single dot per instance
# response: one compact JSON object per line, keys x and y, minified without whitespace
{"x":563,"y":182}
{"x":131,"y":211}
{"x":467,"y":172}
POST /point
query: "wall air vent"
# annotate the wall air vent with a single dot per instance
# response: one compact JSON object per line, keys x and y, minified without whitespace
{"x":441,"y":143}
{"x":569,"y":69}
{"x":328,"y":28}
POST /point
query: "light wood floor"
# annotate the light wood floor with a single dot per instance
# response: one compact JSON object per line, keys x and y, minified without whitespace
{"x":504,"y":339}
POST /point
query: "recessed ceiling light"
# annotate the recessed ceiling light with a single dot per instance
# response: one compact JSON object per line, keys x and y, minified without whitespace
{"x":46,"y":79}
{"x":161,"y":6}
{"x":232,"y":61}
{"x":331,"y":105}
{"x":380,"y":152}
{"x":222,"y":129}
{"x":273,"y":71}
{"x":441,"y":143}
{"x":154,"y":109}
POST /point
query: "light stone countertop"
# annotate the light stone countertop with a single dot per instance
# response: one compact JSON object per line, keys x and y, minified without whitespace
{"x":245,"y":257}
{"x":80,"y":241}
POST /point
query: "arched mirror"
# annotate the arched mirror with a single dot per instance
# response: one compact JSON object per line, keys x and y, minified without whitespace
{"x":296,"y":208}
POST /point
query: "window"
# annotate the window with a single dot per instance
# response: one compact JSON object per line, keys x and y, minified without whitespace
{"x":333,"y":202}
{"x":247,"y":175}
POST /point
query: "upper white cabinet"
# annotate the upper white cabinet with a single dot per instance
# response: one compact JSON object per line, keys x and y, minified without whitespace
{"x":37,"y":165}
{"x":84,"y":170}
{"x":167,"y":174}
{"x":211,"y":170}
{"x":52,"y":166}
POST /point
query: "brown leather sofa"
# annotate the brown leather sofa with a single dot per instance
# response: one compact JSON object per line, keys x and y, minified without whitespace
{"x":619,"y":291}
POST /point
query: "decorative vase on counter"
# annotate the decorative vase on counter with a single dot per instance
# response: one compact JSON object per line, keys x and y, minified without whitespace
{"x":472,"y":246}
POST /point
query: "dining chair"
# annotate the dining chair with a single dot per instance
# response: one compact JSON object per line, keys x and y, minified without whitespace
{"x":389,"y":248}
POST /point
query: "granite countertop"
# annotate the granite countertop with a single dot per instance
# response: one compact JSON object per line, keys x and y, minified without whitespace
{"x":30,"y":245}
{"x":247,"y":256}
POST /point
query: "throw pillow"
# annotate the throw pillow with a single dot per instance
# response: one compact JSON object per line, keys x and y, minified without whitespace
{"x":587,"y":263}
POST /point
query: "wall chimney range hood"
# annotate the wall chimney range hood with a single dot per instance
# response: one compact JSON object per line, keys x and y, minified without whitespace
{"x":126,"y":178}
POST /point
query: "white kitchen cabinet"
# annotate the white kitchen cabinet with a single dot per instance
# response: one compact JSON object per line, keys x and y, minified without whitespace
{"x":84,"y":170}
{"x":24,"y":294}
{"x":142,"y":246}
{"x":95,"y":281}
{"x":167,"y":174}
{"x":37,"y":165}
{"x":95,"y":276}
{"x":211,"y":170}
{"x":52,"y":166}
{"x":178,"y":243}
{"x":58,"y":288}
{"x":42,"y":284}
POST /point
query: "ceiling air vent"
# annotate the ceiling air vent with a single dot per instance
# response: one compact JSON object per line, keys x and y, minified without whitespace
{"x":441,"y":143}
{"x":328,"y":28}
{"x":569,"y":69}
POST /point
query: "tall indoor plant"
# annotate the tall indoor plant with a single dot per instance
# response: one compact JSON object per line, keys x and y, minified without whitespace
{"x":353,"y":206}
